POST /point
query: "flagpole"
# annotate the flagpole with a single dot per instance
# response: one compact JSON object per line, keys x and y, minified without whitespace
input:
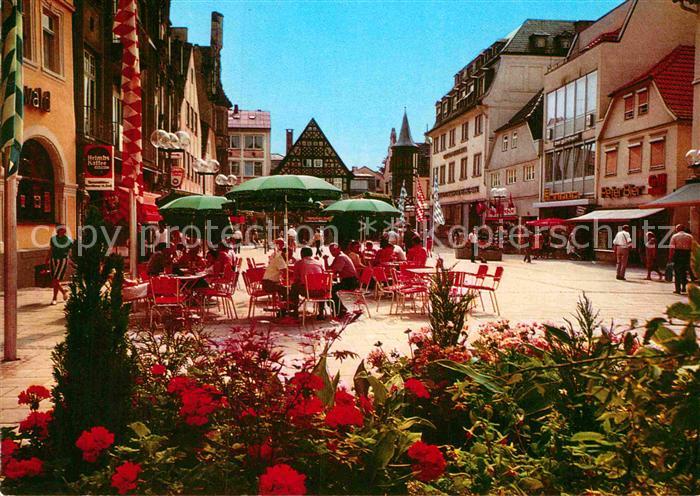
{"x":10,"y":262}
{"x":133,"y":248}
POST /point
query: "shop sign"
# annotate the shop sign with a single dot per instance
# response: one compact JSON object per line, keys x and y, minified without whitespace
{"x":455,"y":152}
{"x":318,"y":219}
{"x":626,"y":191}
{"x":547,"y":195}
{"x":657,"y":184}
{"x":465,"y":191}
{"x":99,"y":167}
{"x":38,"y":99}
{"x":506,"y":211}
{"x":176,"y":175}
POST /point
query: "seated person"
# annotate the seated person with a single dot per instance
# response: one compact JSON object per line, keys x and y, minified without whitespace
{"x":385,"y":253}
{"x":399,"y":254}
{"x":369,"y":252}
{"x":224,"y":260}
{"x":158,"y":261}
{"x":345,"y":270}
{"x":305,"y":266}
{"x":273,"y":272}
{"x":353,"y":251}
{"x":417,"y":255}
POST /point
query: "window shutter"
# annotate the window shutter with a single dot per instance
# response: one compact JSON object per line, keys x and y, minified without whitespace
{"x":629,"y":107}
{"x":611,"y":162}
{"x":635,"y":158}
{"x":658,"y":154}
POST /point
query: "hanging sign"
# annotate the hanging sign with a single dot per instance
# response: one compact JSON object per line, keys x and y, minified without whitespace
{"x":177,"y":173}
{"x":99,"y":167}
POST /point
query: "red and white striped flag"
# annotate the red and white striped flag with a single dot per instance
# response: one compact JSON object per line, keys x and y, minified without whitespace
{"x":125,"y":28}
{"x":420,"y":202}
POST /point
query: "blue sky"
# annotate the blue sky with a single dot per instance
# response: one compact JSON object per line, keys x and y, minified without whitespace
{"x":354,"y":65}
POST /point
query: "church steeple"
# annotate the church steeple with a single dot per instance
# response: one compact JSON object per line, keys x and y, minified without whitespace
{"x":405,"y":134}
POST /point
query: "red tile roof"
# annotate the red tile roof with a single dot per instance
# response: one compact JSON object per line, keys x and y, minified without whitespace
{"x":249,"y":119}
{"x":673,"y":76}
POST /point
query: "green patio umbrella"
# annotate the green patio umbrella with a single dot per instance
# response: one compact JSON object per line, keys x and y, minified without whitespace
{"x":362,"y":206}
{"x":283,"y":188}
{"x":196,"y":210}
{"x":282,"y":193}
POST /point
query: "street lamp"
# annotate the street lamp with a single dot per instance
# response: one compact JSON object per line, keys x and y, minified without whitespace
{"x":209,"y":167}
{"x":169,"y":142}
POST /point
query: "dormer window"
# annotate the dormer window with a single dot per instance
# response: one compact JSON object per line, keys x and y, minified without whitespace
{"x":563,"y":41}
{"x":538,"y":41}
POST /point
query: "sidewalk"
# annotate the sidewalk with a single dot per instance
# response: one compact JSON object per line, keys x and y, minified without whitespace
{"x":546,"y":290}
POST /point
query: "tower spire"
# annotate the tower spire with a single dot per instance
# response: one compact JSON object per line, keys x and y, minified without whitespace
{"x":405,"y":133}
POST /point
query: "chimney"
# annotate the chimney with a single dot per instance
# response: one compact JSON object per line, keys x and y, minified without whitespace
{"x":235,"y":109}
{"x":290,"y":139}
{"x":217,"y":31}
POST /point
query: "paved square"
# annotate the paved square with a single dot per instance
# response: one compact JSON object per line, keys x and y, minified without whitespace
{"x":546,"y":290}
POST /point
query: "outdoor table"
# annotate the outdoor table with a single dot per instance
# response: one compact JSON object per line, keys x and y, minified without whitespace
{"x":421,"y":271}
{"x":135,"y":292}
{"x":188,"y":284}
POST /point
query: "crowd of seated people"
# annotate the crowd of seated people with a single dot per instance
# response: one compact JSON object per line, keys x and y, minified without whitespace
{"x":182,"y":256}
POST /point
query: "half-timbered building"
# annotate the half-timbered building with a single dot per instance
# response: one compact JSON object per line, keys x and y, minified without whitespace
{"x":313,"y":155}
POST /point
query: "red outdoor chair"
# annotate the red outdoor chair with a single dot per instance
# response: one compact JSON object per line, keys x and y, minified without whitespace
{"x":165,"y":293}
{"x":383,"y":285}
{"x":490,"y":284}
{"x":409,"y":286}
{"x":222,"y":291}
{"x":318,"y":290}
{"x":252,"y":279}
{"x":361,"y":292}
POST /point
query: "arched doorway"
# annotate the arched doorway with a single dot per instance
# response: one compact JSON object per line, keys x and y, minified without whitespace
{"x":36,"y":188}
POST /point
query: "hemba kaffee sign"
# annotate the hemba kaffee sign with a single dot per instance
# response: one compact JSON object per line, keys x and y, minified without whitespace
{"x":99,"y":167}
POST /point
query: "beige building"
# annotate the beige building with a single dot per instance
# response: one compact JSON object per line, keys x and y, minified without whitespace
{"x":485,"y":95}
{"x":643,"y":140}
{"x":249,"y":153}
{"x":514,"y":165}
{"x":609,"y":53}
{"x":47,"y":186}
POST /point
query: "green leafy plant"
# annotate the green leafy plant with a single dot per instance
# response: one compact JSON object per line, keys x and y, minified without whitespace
{"x":448,"y":311}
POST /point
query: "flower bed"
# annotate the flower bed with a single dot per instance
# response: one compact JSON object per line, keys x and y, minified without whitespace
{"x":526,"y":408}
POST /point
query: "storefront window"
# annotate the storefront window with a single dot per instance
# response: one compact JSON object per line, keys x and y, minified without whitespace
{"x":35,"y":191}
{"x":568,"y":106}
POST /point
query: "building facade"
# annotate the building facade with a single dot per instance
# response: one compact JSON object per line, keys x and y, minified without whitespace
{"x":485,"y":95}
{"x":249,"y":153}
{"x":47,"y":189}
{"x":312,"y":154}
{"x":514,"y":164}
{"x":365,"y":181}
{"x":605,"y":55}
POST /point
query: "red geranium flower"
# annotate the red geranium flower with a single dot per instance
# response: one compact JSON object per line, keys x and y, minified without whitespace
{"x":180,"y":383}
{"x":305,"y":407}
{"x":8,"y":449}
{"x":32,"y":396}
{"x":417,"y":388}
{"x":93,"y":442}
{"x":366,"y":404}
{"x":37,"y":422}
{"x":282,"y":479}
{"x":429,"y":464}
{"x":305,"y":380}
{"x":198,"y":403}
{"x":158,"y":369}
{"x":341,"y":415}
{"x":342,"y":397}
{"x":126,"y":477}
{"x":17,"y":469}
{"x":261,"y":452}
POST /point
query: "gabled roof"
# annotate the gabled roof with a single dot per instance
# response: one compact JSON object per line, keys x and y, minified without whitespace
{"x":673,"y":76}
{"x":519,"y":40}
{"x":249,"y":119}
{"x":524,"y":113}
{"x":605,"y":29}
{"x":312,"y":143}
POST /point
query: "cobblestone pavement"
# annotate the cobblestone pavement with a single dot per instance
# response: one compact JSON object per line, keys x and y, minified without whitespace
{"x":545,"y":290}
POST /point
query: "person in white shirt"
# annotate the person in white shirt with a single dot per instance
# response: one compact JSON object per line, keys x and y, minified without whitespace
{"x":392,"y":237}
{"x":621,"y":246}
{"x":237,"y":239}
{"x":292,"y":238}
{"x":473,"y":239}
{"x":162,"y":235}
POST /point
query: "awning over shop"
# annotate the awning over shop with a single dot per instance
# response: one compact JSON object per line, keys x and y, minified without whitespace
{"x":508,"y":218}
{"x":685,"y":196}
{"x":621,"y":215}
{"x":150,"y":214}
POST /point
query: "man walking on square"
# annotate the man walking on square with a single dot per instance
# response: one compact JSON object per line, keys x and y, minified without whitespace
{"x":473,"y":239}
{"x":622,"y":245}
{"x":679,"y":253}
